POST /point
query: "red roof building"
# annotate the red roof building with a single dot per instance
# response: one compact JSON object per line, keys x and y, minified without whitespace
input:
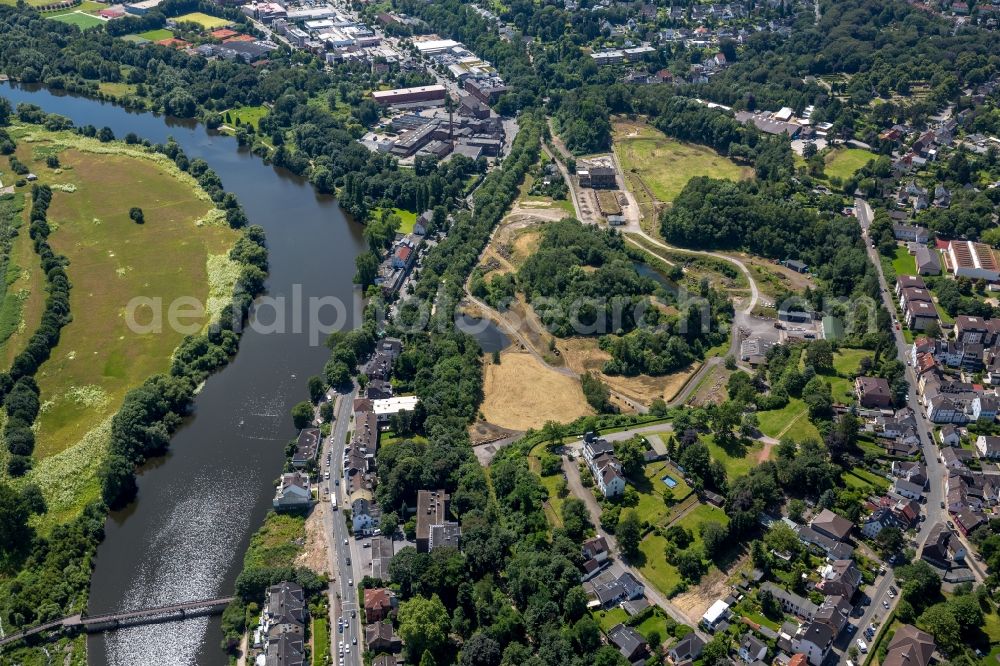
{"x":380,"y":603}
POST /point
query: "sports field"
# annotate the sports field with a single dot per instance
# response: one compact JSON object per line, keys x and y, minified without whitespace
{"x":666,"y":165}
{"x":204,"y":20}
{"x":177,"y":252}
{"x":156,"y":35}
{"x":79,"y":19}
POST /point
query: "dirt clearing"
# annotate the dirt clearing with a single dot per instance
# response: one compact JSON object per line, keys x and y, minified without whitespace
{"x":314,"y":554}
{"x":583,"y":354}
{"x":522,"y":393}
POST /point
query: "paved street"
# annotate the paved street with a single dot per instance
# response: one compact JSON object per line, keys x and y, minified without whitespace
{"x":343,"y":590}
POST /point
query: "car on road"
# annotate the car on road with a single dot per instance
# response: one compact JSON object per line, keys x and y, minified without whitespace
{"x":366,"y":544}
{"x":350,"y":582}
{"x":354,"y":641}
{"x":346,"y":542}
{"x":951,"y":525}
{"x":942,"y":504}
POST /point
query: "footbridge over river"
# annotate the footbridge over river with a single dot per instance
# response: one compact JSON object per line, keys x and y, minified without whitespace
{"x":97,"y":623}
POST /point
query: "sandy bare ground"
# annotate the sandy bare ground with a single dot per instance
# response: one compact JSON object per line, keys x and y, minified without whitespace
{"x":714,"y":586}
{"x":583,"y":354}
{"x":314,"y":554}
{"x":523,"y":393}
{"x":765,"y":453}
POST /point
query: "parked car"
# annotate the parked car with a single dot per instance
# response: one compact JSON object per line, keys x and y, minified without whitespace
{"x":862,"y":646}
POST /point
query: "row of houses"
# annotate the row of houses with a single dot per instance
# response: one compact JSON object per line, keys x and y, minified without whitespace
{"x":278,"y":638}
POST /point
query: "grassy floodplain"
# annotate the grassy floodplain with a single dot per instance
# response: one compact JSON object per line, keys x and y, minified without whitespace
{"x":180,"y":251}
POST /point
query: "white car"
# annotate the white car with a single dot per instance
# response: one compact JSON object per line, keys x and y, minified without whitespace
{"x":892,"y":595}
{"x":862,"y":646}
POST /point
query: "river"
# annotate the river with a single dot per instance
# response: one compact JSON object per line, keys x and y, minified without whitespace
{"x":185,"y":536}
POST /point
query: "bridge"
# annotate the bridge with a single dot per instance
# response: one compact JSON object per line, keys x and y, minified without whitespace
{"x":96,"y":623}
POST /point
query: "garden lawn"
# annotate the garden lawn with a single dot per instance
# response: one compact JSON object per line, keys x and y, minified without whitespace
{"x":407,"y":219}
{"x":844,"y":162}
{"x":80,"y":20}
{"x":846,"y":361}
{"x":704,"y":513}
{"x":321,"y":642}
{"x":204,"y":20}
{"x":862,"y":479}
{"x":904,"y":263}
{"x":737,"y":463}
{"x":610,"y":617}
{"x":655,"y":622}
{"x":666,"y":165}
{"x":656,"y":569}
{"x":792,"y":420}
{"x":841,"y":388}
{"x":157,"y":35}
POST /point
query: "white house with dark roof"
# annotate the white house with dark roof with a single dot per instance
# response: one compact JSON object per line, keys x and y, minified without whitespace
{"x":988,"y":446}
{"x":294,"y":492}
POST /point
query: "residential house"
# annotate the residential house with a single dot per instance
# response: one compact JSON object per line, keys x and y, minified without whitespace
{"x":832,"y":525}
{"x":380,"y":604}
{"x":919,"y":315}
{"x":686,"y":650}
{"x":910,"y":233}
{"x":879,"y":519}
{"x":306,"y":447}
{"x":834,"y":612}
{"x":988,"y":446}
{"x":751,"y":649}
{"x":839,"y":578}
{"x":907,"y":489}
{"x":364,"y":510}
{"x":873,"y":392}
{"x":949,"y":436}
{"x":941,"y":549}
{"x":908,"y":282}
{"x":432,"y":510}
{"x":716,"y":615}
{"x":909,"y":647}
{"x":927,"y":260}
{"x":791,"y":602}
{"x":623,"y":588}
{"x":984,"y":408}
{"x":286,"y":650}
{"x":968,"y":520}
{"x":629,"y":642}
{"x":814,"y":640}
{"x":294,"y":492}
{"x":380,"y":637}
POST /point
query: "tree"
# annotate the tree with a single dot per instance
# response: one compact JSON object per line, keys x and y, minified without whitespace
{"x":689,"y":565}
{"x":317,"y":389}
{"x":302,"y":415}
{"x":388,"y":523}
{"x":940,"y":622}
{"x":424,"y":625}
{"x":819,"y":354}
{"x":716,"y":650}
{"x":366,"y":264}
{"x":629,"y":533}
{"x":796,"y":508}
{"x":576,"y":518}
{"x":135,"y":214}
{"x":480,"y":650}
{"x":658,"y":407}
{"x":889,"y":540}
{"x":769,"y":606}
{"x":52,"y":161}
{"x":630,"y":454}
{"x":713,"y":536}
